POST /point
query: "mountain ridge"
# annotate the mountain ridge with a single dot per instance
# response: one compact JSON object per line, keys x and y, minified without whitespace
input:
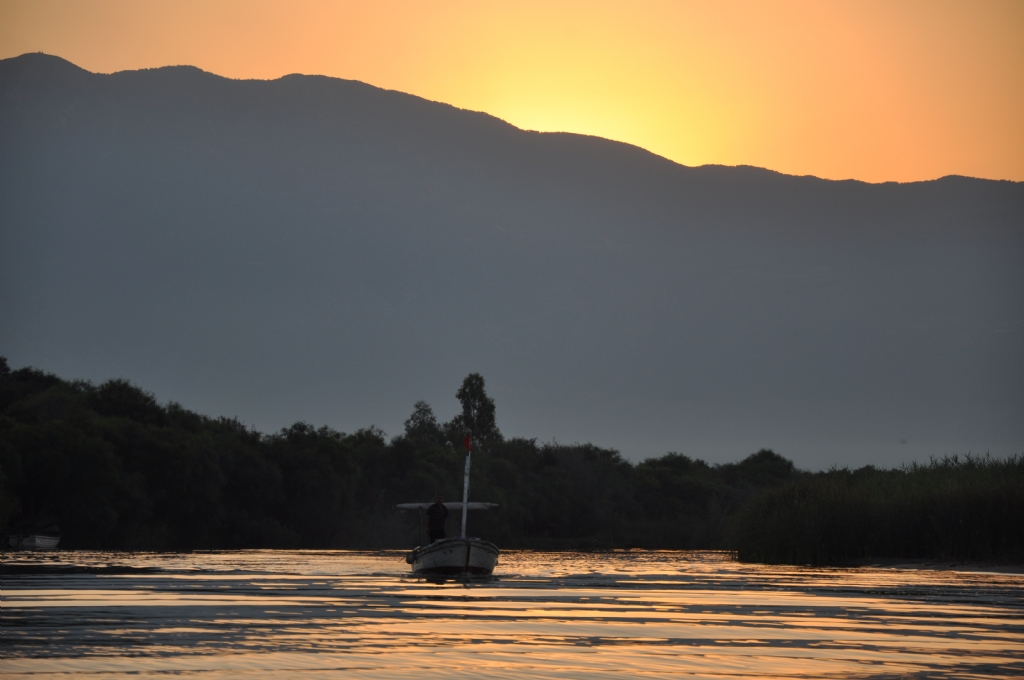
{"x":56,"y":61}
{"x":311,"y":247}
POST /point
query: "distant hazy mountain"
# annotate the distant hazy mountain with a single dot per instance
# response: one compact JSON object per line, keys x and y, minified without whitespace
{"x":320,"y":249}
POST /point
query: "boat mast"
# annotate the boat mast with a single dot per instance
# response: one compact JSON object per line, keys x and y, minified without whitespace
{"x":465,"y":482}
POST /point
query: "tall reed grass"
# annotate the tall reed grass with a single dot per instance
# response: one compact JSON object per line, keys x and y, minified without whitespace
{"x":953,"y":508}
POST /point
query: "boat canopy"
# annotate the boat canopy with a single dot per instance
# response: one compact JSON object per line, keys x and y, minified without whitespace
{"x":451,"y":506}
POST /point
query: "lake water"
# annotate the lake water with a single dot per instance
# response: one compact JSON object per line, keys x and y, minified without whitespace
{"x":325,"y":614}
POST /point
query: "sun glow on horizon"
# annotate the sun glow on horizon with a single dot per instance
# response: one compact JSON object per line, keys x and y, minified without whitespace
{"x":875,"y":91}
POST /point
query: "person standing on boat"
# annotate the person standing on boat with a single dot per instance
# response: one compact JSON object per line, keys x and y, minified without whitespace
{"x":436,"y":516}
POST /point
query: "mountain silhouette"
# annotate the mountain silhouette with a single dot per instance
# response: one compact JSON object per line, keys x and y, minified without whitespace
{"x":320,"y":249}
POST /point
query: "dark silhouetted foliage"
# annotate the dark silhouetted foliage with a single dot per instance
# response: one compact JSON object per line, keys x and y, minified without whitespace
{"x":422,"y":425}
{"x":118,"y":470}
{"x":478,"y":413}
{"x":969,"y":508}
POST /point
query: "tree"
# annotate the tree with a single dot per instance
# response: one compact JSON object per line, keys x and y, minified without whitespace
{"x":422,"y":426}
{"x":121,"y":399}
{"x":477,"y":411}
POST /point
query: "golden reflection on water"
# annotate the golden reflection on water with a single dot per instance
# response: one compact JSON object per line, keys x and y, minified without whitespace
{"x":557,"y":615}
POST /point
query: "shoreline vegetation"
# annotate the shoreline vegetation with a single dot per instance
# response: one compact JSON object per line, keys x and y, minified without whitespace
{"x":118,"y":470}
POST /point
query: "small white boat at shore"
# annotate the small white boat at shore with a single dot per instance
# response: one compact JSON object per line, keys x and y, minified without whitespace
{"x":457,"y":557}
{"x":39,"y":541}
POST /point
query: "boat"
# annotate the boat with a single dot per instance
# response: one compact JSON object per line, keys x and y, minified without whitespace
{"x":33,"y":541}
{"x":458,"y":557}
{"x":465,"y":556}
{"x":34,"y":537}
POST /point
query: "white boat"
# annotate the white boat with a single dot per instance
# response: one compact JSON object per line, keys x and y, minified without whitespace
{"x":33,"y":533}
{"x":459,"y":557}
{"x":454,"y":557}
{"x":33,"y":541}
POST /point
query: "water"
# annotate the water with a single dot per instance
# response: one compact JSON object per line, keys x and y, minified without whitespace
{"x":328,"y":614}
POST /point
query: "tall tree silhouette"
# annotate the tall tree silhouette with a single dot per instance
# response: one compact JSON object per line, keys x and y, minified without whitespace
{"x":477,"y":411}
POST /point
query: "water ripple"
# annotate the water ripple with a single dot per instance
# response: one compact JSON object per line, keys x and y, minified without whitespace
{"x":547,"y":615}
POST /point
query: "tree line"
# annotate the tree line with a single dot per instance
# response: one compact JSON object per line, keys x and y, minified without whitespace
{"x":118,"y":470}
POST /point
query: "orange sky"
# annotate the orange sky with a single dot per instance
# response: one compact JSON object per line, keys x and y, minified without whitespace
{"x":871,"y":90}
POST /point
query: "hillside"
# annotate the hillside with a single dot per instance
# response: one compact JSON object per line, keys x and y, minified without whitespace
{"x":320,"y":249}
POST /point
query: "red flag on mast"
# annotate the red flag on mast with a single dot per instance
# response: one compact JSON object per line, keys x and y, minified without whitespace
{"x":468,"y":442}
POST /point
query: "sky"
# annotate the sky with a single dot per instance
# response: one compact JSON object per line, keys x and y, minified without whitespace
{"x":875,"y":91}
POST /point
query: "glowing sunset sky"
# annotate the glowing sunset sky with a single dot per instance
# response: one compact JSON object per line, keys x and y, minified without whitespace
{"x":870,"y":90}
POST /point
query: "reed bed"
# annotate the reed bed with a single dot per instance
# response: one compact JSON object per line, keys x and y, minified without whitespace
{"x":960,"y":508}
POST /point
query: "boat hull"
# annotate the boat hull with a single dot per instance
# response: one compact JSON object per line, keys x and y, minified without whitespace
{"x":454,"y":557}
